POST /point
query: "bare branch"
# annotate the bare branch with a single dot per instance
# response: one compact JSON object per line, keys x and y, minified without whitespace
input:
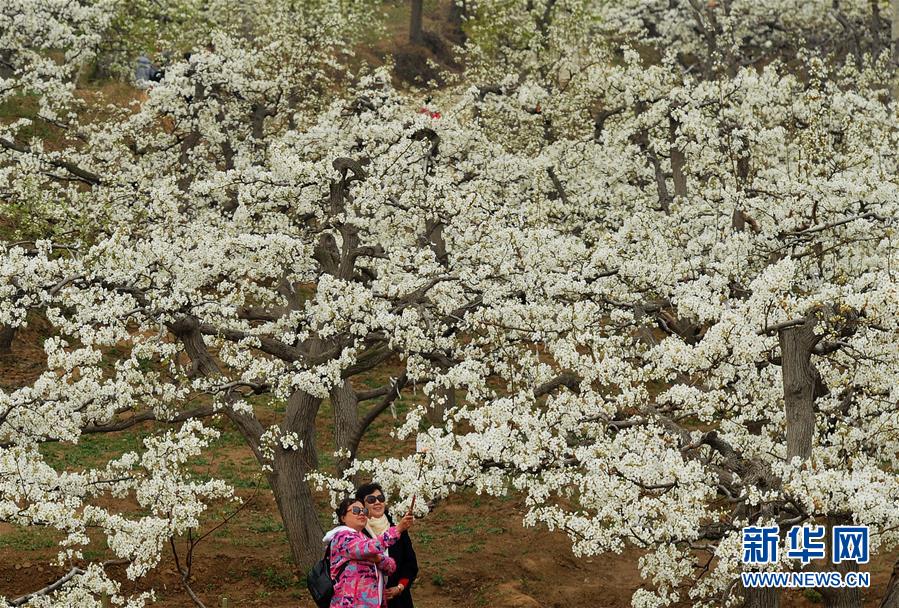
{"x":49,"y":588}
{"x":82,"y":175}
{"x":572,"y":381}
{"x":374,"y":393}
{"x":200,"y":412}
{"x":834,"y":224}
{"x":389,"y":398}
{"x":772,"y":329}
{"x":59,"y":583}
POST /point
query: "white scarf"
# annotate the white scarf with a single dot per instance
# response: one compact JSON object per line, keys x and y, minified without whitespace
{"x":377,"y":526}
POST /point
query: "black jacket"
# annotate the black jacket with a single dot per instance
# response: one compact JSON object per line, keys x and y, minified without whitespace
{"x":406,"y":567}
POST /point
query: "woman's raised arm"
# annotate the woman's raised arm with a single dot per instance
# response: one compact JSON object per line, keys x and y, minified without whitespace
{"x":358,"y":546}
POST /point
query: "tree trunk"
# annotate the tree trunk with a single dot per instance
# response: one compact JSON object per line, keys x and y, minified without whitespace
{"x":891,"y":597}
{"x":456,"y":20}
{"x":434,"y":239}
{"x":761,"y":598}
{"x":297,"y":508}
{"x":800,"y":381}
{"x":894,"y":45}
{"x":842,"y":597}
{"x":642,"y":140}
{"x":201,"y":362}
{"x":289,"y":467}
{"x":288,"y":482}
{"x":894,"y":30}
{"x":346,"y":424}
{"x":440,"y":400}
{"x":877,"y":28}
{"x":678,"y":162}
{"x":6,"y":67}
{"x":755,"y":597}
{"x":802,"y":385}
{"x":415,"y":31}
{"x":192,"y":139}
{"x":7,"y":334}
{"x":839,"y":597}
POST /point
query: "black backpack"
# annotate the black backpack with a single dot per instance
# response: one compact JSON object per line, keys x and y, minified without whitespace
{"x":319,"y":581}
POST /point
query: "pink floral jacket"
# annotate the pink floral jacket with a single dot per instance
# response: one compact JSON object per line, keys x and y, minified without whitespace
{"x":358,"y":582}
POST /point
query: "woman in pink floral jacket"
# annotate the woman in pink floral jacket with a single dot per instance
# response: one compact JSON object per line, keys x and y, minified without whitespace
{"x":357,"y":562}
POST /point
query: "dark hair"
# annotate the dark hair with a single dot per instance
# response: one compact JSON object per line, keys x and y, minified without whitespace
{"x":366,"y":489}
{"x":344,"y":506}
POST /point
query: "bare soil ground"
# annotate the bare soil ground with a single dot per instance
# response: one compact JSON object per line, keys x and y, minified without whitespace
{"x":472,"y":551}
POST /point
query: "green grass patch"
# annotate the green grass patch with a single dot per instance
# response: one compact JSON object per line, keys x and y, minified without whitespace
{"x":272,"y":578}
{"x":267,"y":524}
{"x":92,"y":450}
{"x":26,"y":106}
{"x":373,"y":382}
{"x":29,"y":539}
{"x":93,"y":554}
{"x":250,"y":540}
{"x":462,"y":528}
{"x":241,"y":475}
{"x":223,"y":532}
{"x":228,"y":435}
{"x":481,"y":599}
{"x":813,"y":596}
{"x":424,"y":538}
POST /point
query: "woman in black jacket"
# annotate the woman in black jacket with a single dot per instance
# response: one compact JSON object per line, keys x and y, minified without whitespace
{"x":400,"y":582}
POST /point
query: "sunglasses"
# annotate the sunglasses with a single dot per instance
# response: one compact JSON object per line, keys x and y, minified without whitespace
{"x":360,"y":510}
{"x":372,"y":498}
